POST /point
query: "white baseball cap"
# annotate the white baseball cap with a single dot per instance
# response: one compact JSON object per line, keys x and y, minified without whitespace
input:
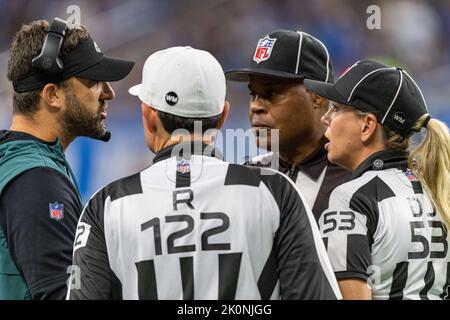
{"x":182,"y":81}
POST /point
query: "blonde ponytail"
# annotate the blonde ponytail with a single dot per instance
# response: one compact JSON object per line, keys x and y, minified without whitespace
{"x":430,"y":161}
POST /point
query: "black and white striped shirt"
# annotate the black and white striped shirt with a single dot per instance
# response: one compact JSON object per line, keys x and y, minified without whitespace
{"x":381,"y":227}
{"x":315,"y":176}
{"x":200,"y":228}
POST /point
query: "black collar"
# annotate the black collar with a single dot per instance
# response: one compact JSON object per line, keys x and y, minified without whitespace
{"x":9,"y":135}
{"x":382,"y":160}
{"x":186,"y":149}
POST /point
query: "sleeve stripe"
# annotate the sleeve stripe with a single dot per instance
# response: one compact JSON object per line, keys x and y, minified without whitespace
{"x":318,"y":242}
{"x":69,"y":287}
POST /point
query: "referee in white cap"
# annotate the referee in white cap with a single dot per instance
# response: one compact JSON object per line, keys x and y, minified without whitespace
{"x":192,"y":226}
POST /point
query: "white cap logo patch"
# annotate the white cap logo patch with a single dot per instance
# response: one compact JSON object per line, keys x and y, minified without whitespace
{"x":264,"y":49}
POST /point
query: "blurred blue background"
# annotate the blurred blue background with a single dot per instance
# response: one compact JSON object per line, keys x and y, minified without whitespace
{"x":414,"y":34}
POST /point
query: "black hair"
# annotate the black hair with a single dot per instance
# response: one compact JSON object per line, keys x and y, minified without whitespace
{"x":172,"y":122}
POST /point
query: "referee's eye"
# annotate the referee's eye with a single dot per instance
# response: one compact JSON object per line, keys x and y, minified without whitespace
{"x":334,"y":107}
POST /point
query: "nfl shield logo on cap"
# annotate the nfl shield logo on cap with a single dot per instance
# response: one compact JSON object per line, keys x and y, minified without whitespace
{"x":56,"y":210}
{"x":263,"y":49}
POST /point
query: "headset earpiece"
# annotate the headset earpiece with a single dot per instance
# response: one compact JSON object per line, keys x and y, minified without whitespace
{"x":47,"y":61}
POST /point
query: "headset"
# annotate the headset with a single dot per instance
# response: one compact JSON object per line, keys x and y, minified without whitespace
{"x":47,"y":61}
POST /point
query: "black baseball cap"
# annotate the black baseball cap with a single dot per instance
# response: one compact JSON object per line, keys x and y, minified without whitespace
{"x":288,"y":54}
{"x":85,"y":61}
{"x":371,"y":86}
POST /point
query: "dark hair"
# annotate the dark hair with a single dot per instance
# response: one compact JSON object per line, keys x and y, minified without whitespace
{"x":172,"y":122}
{"x":27,"y":44}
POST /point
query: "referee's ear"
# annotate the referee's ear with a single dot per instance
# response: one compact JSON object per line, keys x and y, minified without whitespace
{"x":148,"y":118}
{"x":223,"y":118}
{"x":369,"y":125}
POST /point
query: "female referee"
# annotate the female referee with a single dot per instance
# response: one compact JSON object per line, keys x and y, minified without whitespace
{"x":386,"y":230}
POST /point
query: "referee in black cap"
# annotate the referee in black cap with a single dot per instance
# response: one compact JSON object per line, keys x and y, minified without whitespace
{"x":389,"y":224}
{"x":60,"y":78}
{"x":280,"y":101}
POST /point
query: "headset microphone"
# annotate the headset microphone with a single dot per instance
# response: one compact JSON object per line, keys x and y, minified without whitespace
{"x":105,"y":137}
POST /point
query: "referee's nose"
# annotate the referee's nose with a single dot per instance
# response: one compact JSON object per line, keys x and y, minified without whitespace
{"x":326,"y":118}
{"x":257,"y":105}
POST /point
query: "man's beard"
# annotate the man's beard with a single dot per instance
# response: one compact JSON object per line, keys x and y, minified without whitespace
{"x":77,"y":120}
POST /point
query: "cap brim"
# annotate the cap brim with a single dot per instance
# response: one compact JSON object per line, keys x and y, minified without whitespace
{"x":326,"y":90}
{"x":135,"y":90}
{"x":244,"y":74}
{"x":108,"y":69}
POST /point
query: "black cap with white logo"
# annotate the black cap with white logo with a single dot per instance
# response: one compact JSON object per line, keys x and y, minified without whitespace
{"x":288,"y":54}
{"x":370,"y":86}
{"x":85,"y":61}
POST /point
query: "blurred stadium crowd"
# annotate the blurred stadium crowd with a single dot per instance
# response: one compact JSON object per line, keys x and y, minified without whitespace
{"x":414,"y":34}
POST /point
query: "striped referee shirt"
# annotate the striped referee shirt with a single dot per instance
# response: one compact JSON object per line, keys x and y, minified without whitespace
{"x":194,"y":227}
{"x":315,"y":176}
{"x":382,"y":227}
